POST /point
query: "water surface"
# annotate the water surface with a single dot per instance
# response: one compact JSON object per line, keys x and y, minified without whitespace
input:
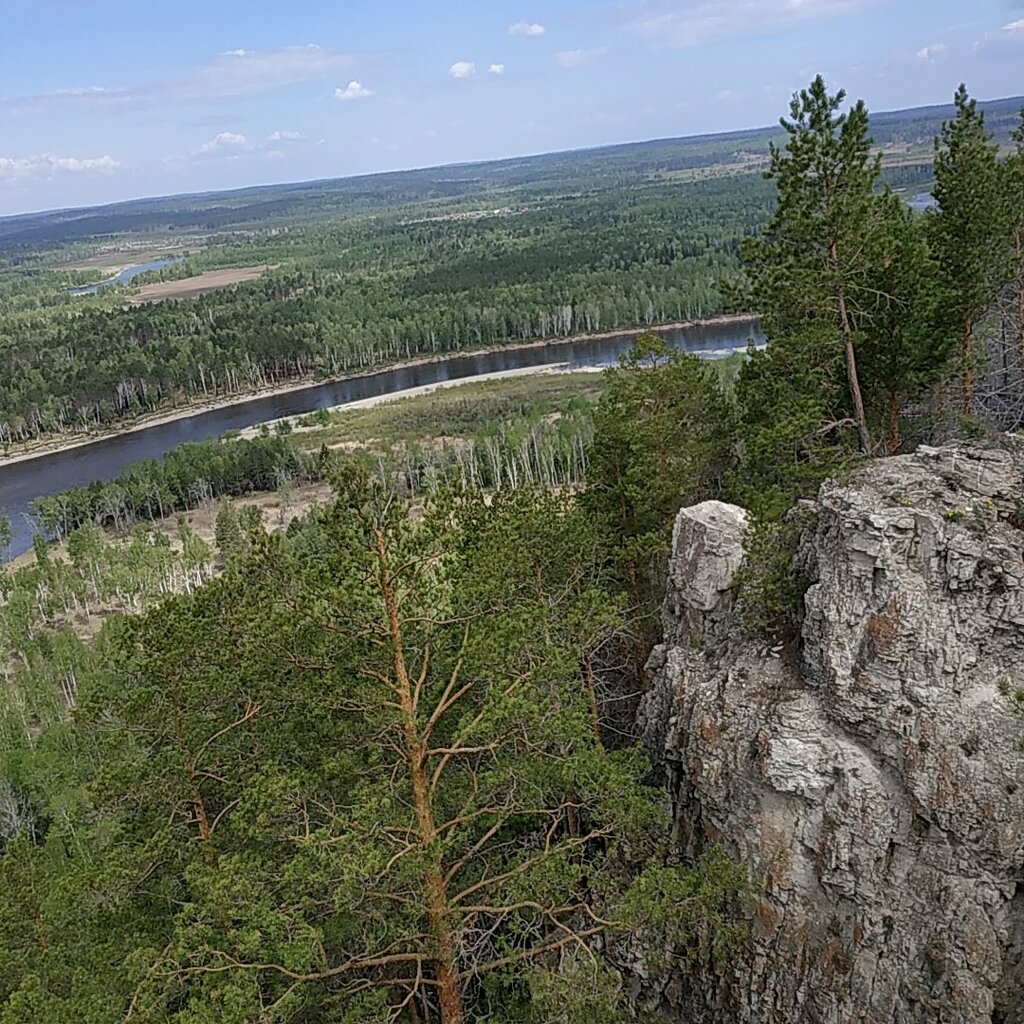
{"x":21,"y":482}
{"x":128,"y":274}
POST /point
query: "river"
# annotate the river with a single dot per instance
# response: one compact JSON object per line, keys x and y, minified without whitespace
{"x":128,"y":274}
{"x":21,"y":482}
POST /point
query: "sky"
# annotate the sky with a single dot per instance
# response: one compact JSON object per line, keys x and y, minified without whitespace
{"x":104,"y":100}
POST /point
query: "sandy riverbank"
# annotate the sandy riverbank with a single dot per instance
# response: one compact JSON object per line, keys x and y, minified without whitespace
{"x":52,"y":446}
{"x":425,"y":389}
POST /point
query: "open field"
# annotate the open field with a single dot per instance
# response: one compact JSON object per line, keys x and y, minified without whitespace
{"x":454,"y":409}
{"x":458,"y":408}
{"x":190,"y":287}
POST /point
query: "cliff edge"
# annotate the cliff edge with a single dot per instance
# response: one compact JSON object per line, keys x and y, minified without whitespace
{"x":874,"y":782}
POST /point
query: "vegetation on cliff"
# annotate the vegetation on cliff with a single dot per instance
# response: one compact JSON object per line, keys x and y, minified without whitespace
{"x":379,"y":765}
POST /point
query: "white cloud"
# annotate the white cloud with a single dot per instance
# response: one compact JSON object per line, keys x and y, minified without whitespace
{"x":723,"y":95}
{"x":230,"y":74}
{"x":497,"y":69}
{"x":1004,"y":42}
{"x":931,"y":52}
{"x":692,"y":22}
{"x":220,"y":142}
{"x":77,"y":164}
{"x":85,"y":95}
{"x":45,"y":165}
{"x":285,"y":137}
{"x":574,"y":58}
{"x":247,"y":72}
{"x":526,"y":28}
{"x":462,"y":69}
{"x":353,"y":91}
{"x":87,"y":92}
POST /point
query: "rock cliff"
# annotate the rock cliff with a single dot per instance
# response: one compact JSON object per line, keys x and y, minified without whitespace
{"x":874,"y":780}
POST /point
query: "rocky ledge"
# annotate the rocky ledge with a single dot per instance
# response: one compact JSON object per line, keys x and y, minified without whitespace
{"x":873,"y":781}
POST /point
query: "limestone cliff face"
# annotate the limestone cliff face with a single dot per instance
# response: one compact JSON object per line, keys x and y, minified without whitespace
{"x":876,"y":788}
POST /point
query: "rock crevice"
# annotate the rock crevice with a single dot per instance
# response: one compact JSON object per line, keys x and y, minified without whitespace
{"x":876,"y":787}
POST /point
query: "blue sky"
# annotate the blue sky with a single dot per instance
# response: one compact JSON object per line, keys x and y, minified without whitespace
{"x":102,"y":100}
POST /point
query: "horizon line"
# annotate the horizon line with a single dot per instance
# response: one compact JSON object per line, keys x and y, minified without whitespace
{"x":304,"y":183}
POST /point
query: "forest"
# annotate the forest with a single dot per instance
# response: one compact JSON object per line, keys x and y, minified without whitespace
{"x":349,"y":297}
{"x":380,"y":763}
{"x":373,"y":271}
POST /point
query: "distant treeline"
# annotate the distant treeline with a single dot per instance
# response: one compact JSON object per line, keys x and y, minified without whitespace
{"x":527,"y":448}
{"x":246,"y":209}
{"x":189,"y":475}
{"x":350,"y":296}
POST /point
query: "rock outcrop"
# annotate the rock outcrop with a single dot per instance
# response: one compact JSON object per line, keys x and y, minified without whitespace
{"x":874,"y":780}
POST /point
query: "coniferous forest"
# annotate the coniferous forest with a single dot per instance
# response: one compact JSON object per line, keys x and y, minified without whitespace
{"x":365,"y":272}
{"x":381,"y":763}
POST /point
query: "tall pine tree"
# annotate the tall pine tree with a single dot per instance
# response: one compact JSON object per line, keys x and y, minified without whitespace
{"x":905,"y":349}
{"x":1013,"y":204}
{"x":663,"y":438}
{"x":965,"y":230}
{"x":807,"y":269}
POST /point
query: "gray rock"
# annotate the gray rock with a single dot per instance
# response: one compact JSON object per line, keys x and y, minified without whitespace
{"x":874,"y":782}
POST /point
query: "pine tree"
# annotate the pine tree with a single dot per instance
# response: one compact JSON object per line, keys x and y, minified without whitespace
{"x":357,"y":780}
{"x":663,"y":438}
{"x":966,"y":230}
{"x":906,"y":349}
{"x":228,"y":534}
{"x":6,"y":534}
{"x":1012,"y":181}
{"x":807,"y":270}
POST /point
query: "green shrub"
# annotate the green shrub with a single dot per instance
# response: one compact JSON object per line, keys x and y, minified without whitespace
{"x":771,"y":583}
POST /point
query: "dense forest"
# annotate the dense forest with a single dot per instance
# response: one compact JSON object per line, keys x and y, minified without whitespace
{"x":370,"y":271}
{"x":381,"y":765}
{"x":360,"y":294}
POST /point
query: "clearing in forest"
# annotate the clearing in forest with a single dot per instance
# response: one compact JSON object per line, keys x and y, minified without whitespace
{"x":189,"y":287}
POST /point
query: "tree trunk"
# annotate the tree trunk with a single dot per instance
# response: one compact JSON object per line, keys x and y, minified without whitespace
{"x":895,"y":440}
{"x":858,"y":402}
{"x":967,"y":407}
{"x":195,"y":793}
{"x":41,"y":937}
{"x":595,"y":709}
{"x":445,"y":967}
{"x":851,"y":366}
{"x":1019,"y":251}
{"x":202,"y":818}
